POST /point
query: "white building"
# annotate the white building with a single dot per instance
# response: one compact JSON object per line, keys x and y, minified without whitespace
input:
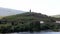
{"x":57,"y":21}
{"x":41,"y":21}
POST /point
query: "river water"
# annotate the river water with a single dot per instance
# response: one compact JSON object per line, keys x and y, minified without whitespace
{"x":35,"y":33}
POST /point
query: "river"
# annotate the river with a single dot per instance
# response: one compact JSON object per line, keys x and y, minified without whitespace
{"x":35,"y":33}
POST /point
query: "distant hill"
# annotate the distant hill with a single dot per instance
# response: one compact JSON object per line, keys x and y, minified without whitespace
{"x":8,"y":12}
{"x":56,"y":16}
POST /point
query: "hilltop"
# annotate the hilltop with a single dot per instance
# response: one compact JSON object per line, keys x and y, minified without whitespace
{"x":28,"y":16}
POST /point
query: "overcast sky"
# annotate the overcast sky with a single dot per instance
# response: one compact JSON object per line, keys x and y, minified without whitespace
{"x":48,"y":7}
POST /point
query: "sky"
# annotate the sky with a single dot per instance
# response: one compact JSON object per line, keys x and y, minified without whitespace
{"x":48,"y":7}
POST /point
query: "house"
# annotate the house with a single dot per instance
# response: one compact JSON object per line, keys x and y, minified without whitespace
{"x":58,"y":21}
{"x":41,"y":21}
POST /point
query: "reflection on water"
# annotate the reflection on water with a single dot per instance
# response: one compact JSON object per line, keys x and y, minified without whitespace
{"x":35,"y":33}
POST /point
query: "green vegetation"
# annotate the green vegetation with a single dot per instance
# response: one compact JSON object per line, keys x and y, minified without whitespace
{"x":28,"y":21}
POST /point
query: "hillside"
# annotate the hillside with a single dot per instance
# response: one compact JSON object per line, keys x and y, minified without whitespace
{"x":56,"y":16}
{"x":1,"y":17}
{"x":28,"y":16}
{"x":29,"y":21}
{"x":8,"y":12}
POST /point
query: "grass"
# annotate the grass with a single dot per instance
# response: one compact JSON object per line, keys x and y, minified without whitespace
{"x":1,"y":17}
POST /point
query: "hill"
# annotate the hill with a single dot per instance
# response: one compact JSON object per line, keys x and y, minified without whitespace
{"x":56,"y":16}
{"x":28,"y":21}
{"x":1,"y":17}
{"x":28,"y":16}
{"x":8,"y":12}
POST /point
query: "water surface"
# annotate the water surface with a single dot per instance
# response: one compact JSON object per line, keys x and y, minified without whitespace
{"x":35,"y":33}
